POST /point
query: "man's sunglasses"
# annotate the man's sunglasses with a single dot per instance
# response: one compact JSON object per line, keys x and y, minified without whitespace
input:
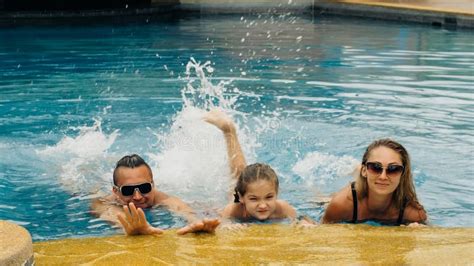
{"x":391,"y":170}
{"x":128,"y":190}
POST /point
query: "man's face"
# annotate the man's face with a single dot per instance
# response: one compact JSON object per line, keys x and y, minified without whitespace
{"x":135,"y":176}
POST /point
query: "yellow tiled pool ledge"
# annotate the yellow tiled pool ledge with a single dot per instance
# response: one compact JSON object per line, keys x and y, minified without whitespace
{"x":257,"y":244}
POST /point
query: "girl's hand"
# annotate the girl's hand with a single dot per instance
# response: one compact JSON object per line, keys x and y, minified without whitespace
{"x":221,"y":120}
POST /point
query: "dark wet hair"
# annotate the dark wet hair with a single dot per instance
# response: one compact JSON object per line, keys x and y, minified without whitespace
{"x":130,"y":161}
{"x":252,"y":173}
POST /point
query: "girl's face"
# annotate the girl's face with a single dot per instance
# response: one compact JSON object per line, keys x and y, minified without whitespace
{"x":260,"y":199}
{"x":385,"y":182}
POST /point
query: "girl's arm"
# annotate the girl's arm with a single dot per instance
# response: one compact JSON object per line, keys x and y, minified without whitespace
{"x":235,"y":155}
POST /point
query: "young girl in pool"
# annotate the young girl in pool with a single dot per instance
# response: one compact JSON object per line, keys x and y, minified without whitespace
{"x":383,"y":190}
{"x":256,"y":191}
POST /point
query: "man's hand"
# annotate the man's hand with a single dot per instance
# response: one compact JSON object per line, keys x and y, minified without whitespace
{"x":134,"y":221}
{"x":206,"y":225}
{"x":219,"y":119}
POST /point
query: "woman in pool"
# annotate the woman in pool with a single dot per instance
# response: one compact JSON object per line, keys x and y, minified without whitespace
{"x":256,"y":191}
{"x":383,"y":190}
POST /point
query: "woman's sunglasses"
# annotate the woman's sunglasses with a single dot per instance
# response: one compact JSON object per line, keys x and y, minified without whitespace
{"x":391,"y":170}
{"x":128,"y":190}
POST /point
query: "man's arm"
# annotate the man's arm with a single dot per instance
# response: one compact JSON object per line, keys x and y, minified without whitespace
{"x":179,"y":207}
{"x":194,"y":225}
{"x":102,"y":209}
{"x":131,"y":219}
{"x":235,"y":155}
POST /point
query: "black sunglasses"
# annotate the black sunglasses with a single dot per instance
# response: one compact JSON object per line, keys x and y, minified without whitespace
{"x":391,"y":170}
{"x":128,"y":190}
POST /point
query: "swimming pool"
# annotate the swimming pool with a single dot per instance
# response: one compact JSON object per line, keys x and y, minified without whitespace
{"x":308,"y":93}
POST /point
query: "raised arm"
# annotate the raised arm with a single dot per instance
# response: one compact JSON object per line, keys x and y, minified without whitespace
{"x":235,"y":155}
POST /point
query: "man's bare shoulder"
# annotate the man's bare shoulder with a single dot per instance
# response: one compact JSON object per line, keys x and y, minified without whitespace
{"x":106,"y":208}
{"x":162,"y":198}
{"x":103,"y":201}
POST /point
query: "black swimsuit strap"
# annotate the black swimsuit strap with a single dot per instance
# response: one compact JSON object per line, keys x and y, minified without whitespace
{"x":402,"y":211}
{"x":354,"y":201}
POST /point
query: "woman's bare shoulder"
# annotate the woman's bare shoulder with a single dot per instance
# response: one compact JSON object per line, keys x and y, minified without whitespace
{"x":340,"y":207}
{"x":414,"y":212}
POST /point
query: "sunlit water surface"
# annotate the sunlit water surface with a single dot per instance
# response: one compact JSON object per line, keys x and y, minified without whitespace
{"x":308,"y":94}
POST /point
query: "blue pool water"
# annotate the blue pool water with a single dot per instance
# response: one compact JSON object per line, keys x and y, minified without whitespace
{"x":309,"y":94}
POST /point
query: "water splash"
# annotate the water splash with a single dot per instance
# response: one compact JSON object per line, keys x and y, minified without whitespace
{"x":192,"y":161}
{"x":206,"y":95}
{"x":81,"y":159}
{"x":320,"y":169}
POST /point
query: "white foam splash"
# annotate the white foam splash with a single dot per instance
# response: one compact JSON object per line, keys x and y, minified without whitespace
{"x":90,"y":142}
{"x":205,"y":95}
{"x":319,"y":169}
{"x":193,"y":154}
{"x":81,"y":158}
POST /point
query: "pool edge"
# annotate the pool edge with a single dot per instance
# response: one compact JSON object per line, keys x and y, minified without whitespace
{"x":424,"y":14}
{"x":16,"y":246}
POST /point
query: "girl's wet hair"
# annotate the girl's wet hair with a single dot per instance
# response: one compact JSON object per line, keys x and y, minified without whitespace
{"x":253,"y":173}
{"x":405,"y":192}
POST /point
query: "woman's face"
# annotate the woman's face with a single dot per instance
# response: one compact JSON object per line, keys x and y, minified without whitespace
{"x":260,"y":199}
{"x":385,"y":182}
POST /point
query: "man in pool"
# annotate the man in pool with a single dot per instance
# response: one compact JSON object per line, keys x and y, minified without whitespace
{"x":133,"y":191}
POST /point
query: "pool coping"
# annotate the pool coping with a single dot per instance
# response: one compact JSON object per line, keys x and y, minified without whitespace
{"x":16,"y":247}
{"x":353,"y":8}
{"x":397,"y":12}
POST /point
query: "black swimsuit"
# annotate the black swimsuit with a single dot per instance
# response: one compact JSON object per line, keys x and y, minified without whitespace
{"x":354,"y":212}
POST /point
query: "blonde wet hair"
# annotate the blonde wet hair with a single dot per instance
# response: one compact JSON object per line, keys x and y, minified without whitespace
{"x":405,"y":192}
